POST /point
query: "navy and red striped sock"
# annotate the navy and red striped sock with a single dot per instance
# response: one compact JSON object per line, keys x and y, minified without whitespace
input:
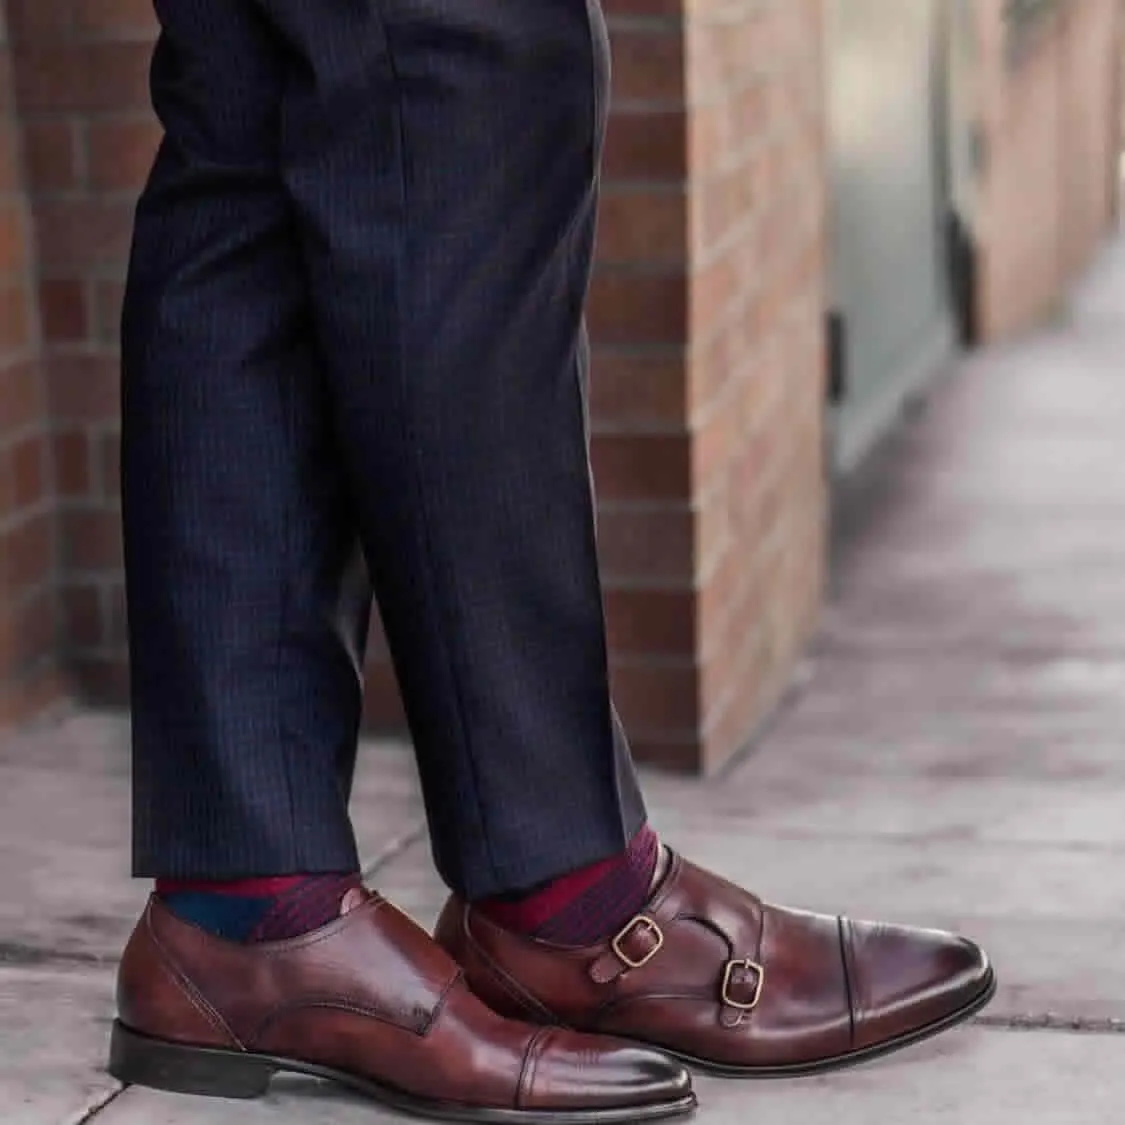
{"x":585,"y":906}
{"x":255,"y":910}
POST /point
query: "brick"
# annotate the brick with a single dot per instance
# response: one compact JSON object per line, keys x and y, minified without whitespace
{"x":717,"y":439}
{"x":638,"y":388}
{"x":670,"y":753}
{"x":16,"y":327}
{"x":109,"y":465}
{"x":38,"y":20}
{"x":107,"y":296}
{"x":10,"y":177}
{"x":647,"y":622}
{"x":641,"y":466}
{"x":63,"y":311}
{"x":62,"y":77}
{"x":15,"y":233}
{"x":83,"y":236}
{"x":628,"y":307}
{"x":643,"y":225}
{"x":648,"y":145}
{"x":71,"y":449}
{"x":725,"y":201}
{"x":649,"y":65}
{"x":28,"y":466}
{"x":21,"y":395}
{"x":116,"y":615}
{"x":103,"y":680}
{"x":633,"y":9}
{"x":33,"y":633}
{"x":83,"y":622}
{"x":715,"y":293}
{"x":27,"y":553}
{"x":84,"y":388}
{"x":115,"y":19}
{"x":51,"y":153}
{"x":121,"y":152}
{"x":654,"y":696}
{"x":91,"y":541}
{"x":653,"y":544}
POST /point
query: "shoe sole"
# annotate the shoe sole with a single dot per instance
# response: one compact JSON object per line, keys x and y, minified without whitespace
{"x":839,"y":1062}
{"x":136,"y":1059}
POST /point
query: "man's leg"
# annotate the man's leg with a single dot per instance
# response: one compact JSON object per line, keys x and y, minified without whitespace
{"x":247,"y":614}
{"x":248,"y":603}
{"x":442,"y":158}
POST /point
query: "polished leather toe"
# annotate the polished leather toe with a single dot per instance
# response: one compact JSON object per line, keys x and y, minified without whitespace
{"x":560,"y":1074}
{"x":904,"y":980}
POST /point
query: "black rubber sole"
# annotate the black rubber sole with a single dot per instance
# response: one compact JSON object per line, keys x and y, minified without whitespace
{"x":136,"y":1059}
{"x":841,"y":1062}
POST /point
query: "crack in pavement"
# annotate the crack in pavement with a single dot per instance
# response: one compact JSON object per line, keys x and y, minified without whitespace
{"x":1053,"y":1021}
{"x":14,"y":954}
{"x":84,"y":1116}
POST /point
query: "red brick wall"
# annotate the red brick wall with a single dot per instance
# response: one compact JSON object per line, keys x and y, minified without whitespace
{"x":27,"y":532}
{"x":705,"y":318}
{"x":1051,"y":119}
{"x":82,"y":89}
{"x":756,"y":382}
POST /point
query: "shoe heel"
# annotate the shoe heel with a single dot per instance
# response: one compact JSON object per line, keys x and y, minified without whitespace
{"x":140,"y":1060}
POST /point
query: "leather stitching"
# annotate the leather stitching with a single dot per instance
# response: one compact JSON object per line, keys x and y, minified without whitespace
{"x":439,"y":1007}
{"x":515,"y":991}
{"x":419,"y":1027}
{"x":531,"y":1055}
{"x":184,"y":983}
{"x":332,"y":1004}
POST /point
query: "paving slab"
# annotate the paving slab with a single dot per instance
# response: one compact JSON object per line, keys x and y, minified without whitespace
{"x":53,"y":1028}
{"x":968,"y":1077}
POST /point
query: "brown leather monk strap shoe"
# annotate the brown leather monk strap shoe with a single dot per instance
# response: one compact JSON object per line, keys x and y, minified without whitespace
{"x":371,"y":1002}
{"x":729,"y":984}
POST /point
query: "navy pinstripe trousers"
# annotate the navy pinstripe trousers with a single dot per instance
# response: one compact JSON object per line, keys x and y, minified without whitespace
{"x":354,"y":363}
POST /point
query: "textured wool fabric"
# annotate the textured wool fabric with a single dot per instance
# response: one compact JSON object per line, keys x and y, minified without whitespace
{"x":354,"y":358}
{"x":587,"y":905}
{"x":258,"y":910}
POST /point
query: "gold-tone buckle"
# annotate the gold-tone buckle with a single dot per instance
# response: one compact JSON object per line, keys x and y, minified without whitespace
{"x":743,"y":1005}
{"x":646,"y":923}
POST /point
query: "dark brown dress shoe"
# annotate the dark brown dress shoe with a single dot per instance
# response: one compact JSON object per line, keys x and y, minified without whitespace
{"x":371,"y":1002}
{"x":721,"y":980}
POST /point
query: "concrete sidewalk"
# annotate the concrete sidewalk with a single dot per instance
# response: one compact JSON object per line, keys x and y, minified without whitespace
{"x":952,"y":757}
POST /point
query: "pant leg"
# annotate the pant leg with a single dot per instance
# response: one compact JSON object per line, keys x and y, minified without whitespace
{"x":442,"y":157}
{"x":248,"y":599}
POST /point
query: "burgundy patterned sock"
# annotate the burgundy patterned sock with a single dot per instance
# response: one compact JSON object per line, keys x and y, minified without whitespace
{"x":588,"y":905}
{"x":255,"y":910}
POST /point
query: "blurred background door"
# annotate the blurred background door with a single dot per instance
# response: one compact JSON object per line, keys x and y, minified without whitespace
{"x":890,"y":150}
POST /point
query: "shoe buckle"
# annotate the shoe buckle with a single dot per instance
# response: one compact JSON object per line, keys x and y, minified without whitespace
{"x":743,"y":1006}
{"x":642,"y":924}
